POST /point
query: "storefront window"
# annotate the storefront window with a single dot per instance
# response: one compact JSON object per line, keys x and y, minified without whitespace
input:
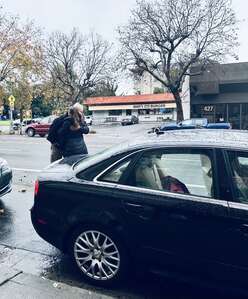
{"x":115,"y":112}
{"x":128,"y":112}
{"x":159,"y":111}
{"x":244,"y":117}
{"x":234,"y":115}
{"x":220,"y":113}
{"x":214,"y":113}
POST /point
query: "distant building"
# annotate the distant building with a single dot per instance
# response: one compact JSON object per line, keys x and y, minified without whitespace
{"x":147,"y":84}
{"x":148,"y":107}
{"x":220,"y":93}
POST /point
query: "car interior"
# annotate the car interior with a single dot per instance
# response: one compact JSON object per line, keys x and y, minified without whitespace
{"x":240,"y":173}
{"x":152,"y":173}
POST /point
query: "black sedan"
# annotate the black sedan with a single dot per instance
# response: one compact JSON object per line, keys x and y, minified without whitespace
{"x":174,"y":204}
{"x":130,"y":120}
{"x":5,"y":177}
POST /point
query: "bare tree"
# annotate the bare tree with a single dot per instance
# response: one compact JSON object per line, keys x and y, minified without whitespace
{"x":16,"y":43}
{"x":77,"y":62}
{"x":166,"y":37}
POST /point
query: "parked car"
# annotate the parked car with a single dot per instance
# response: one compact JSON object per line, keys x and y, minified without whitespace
{"x":204,"y":123}
{"x":174,"y":204}
{"x":88,"y":120}
{"x":40,"y":128}
{"x":193,"y":123}
{"x":130,"y":120}
{"x":25,"y":122}
{"x":5,"y":177}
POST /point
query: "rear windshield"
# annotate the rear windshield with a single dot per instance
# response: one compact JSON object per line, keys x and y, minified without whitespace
{"x":91,"y":160}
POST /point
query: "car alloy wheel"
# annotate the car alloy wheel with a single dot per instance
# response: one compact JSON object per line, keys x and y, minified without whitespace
{"x":31,"y":132}
{"x":100,"y":255}
{"x":97,"y":255}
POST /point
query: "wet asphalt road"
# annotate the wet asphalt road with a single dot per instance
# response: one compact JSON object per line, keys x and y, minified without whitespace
{"x":22,"y":248}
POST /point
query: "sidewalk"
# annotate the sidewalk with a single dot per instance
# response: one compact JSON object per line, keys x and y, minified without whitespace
{"x":17,"y":285}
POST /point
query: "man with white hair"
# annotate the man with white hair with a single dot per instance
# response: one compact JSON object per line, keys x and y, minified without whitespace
{"x":66,"y":131}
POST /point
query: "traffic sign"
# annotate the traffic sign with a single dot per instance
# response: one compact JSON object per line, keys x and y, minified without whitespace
{"x":11,"y":106}
{"x":11,"y":102}
{"x":11,"y":99}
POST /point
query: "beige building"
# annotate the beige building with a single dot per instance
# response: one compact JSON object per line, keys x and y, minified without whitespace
{"x":147,"y":107}
{"x":146,"y":84}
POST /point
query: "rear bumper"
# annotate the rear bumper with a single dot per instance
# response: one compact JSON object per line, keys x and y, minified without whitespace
{"x":46,"y":230}
{"x":5,"y":182}
{"x":5,"y":190}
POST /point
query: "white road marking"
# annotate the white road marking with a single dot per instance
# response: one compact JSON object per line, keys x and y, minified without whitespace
{"x":26,"y":169}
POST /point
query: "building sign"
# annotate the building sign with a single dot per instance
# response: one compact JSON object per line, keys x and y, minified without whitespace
{"x":149,"y":106}
{"x":208,"y":108}
{"x":132,"y":107}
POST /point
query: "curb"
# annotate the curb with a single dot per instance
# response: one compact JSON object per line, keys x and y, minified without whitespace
{"x":19,"y":285}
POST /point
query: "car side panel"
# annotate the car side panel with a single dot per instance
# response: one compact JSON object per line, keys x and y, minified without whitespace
{"x":65,"y":206}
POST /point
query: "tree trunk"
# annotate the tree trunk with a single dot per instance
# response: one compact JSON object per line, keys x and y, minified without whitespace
{"x":178,"y":101}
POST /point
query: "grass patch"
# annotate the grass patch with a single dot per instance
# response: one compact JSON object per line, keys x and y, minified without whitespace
{"x":4,"y":122}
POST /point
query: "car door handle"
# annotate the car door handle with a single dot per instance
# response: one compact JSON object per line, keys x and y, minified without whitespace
{"x":144,"y":211}
{"x":243,"y":229}
{"x":179,"y":217}
{"x":129,"y":204}
{"x":133,"y":207}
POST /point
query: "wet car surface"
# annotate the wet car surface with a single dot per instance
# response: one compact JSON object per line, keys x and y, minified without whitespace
{"x":5,"y":177}
{"x":184,"y":215}
{"x":21,"y":247}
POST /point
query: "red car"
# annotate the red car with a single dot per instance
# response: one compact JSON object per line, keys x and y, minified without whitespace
{"x":41,"y":128}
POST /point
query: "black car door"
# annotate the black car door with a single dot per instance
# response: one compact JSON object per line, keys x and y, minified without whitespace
{"x":237,"y":249}
{"x":168,"y":224}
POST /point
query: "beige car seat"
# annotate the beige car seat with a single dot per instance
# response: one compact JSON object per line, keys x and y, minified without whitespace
{"x":207,"y":173}
{"x":147,"y":173}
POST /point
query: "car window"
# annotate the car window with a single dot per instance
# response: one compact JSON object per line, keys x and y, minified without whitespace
{"x":177,"y":171}
{"x":115,"y":174}
{"x":239,"y":170}
{"x":44,"y":120}
{"x":101,"y":156}
{"x":186,"y":122}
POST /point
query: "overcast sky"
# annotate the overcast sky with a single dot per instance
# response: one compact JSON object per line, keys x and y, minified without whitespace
{"x":101,"y":15}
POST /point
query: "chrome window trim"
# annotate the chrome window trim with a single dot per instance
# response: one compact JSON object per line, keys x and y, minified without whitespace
{"x":95,"y":180}
{"x":175,"y":195}
{"x":153,"y":191}
{"x":236,"y":205}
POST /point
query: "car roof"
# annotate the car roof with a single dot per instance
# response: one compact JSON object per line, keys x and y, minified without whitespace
{"x":221,"y":138}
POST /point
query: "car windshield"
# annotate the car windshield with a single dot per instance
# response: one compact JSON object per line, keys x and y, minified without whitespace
{"x":98,"y":157}
{"x":44,"y":120}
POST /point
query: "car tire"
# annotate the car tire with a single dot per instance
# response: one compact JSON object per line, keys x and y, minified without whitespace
{"x":98,"y":266}
{"x":42,"y":135}
{"x":30,"y":132}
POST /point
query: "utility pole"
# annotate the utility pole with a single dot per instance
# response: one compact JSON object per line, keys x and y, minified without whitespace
{"x":11,"y":108}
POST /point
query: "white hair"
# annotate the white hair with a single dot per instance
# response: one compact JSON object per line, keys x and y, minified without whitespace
{"x":78,"y":107}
